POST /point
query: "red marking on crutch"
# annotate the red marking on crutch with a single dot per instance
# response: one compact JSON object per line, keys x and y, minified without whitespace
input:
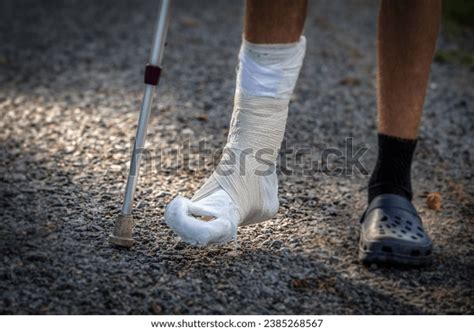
{"x":152,"y":74}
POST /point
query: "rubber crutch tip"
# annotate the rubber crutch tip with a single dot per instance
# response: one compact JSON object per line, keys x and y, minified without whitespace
{"x":122,"y":234}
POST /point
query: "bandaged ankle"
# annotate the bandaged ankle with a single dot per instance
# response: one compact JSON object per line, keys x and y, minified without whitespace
{"x":269,"y":70}
{"x":257,"y":129}
{"x":266,"y":78}
{"x":243,"y":189}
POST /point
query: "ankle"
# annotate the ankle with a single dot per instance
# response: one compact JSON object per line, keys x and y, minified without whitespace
{"x":392,"y":172}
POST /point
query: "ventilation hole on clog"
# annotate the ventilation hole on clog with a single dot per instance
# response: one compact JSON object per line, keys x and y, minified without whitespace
{"x":409,"y":222}
{"x":394,"y":232}
{"x":407,"y":228}
{"x":428,"y":252}
{"x":381,"y":226}
{"x":397,"y":218}
{"x":420,"y":228}
{"x":382,"y":232}
{"x":365,"y":247}
{"x":388,"y":226}
{"x":400,"y":236}
{"x":384,"y":219}
{"x":415,"y":252}
{"x":403,"y":231}
{"x":419,"y":235}
{"x":414,"y":238}
{"x":397,"y":222}
{"x":387,"y":249}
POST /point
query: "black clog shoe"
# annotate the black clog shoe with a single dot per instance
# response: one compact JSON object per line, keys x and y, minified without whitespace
{"x":392,"y":233}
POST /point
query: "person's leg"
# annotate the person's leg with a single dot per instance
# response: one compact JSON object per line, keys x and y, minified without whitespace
{"x":407,"y":32}
{"x":270,"y":59}
{"x":274,"y":22}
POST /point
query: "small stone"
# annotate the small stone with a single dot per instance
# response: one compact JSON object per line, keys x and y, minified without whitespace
{"x":69,"y":149}
{"x":276,"y":244}
{"x":156,"y":308}
{"x":179,"y":245}
{"x":162,"y":194}
{"x":187,"y":132}
{"x":36,"y":256}
{"x":18,"y":177}
{"x":115,"y":167}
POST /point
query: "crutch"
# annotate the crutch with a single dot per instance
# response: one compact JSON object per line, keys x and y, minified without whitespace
{"x":122,"y":233}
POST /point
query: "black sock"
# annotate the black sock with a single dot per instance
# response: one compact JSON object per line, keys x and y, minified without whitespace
{"x":392,"y":170}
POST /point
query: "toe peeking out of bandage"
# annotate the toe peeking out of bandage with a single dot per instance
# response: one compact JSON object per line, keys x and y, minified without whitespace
{"x":243,"y":189}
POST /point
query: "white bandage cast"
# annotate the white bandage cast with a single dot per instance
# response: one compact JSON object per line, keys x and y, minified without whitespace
{"x":243,"y":189}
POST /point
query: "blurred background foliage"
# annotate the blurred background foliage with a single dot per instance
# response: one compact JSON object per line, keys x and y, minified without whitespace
{"x":459,"y":12}
{"x":458,"y":20}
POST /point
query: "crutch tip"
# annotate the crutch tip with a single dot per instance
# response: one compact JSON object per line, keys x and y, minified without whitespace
{"x":122,"y":234}
{"x":120,"y":241}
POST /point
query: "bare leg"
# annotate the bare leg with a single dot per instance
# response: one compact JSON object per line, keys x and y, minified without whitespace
{"x":407,"y":34}
{"x":406,"y":42}
{"x":391,"y":229}
{"x":274,"y":21}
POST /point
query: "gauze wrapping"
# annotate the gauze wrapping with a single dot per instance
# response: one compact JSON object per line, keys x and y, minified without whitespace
{"x":243,"y":188}
{"x":257,"y":129}
{"x":270,"y":70}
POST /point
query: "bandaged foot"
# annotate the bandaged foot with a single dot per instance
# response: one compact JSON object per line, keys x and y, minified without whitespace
{"x":243,"y":189}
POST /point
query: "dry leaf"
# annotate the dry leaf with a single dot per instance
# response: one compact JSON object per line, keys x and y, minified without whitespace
{"x":350,"y":81}
{"x":433,"y":200}
{"x":202,"y":117}
{"x":189,"y":22}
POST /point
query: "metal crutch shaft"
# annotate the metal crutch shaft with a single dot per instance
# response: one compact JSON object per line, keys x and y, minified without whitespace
{"x":122,"y":233}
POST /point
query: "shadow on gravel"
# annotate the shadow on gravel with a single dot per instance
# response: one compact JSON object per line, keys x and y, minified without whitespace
{"x":36,"y":199}
{"x":294,"y":283}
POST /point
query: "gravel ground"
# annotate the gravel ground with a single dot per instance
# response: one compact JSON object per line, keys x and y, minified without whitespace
{"x":70,"y":90}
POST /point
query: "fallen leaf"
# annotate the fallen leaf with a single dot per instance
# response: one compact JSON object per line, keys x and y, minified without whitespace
{"x":189,"y":22}
{"x":202,"y":117}
{"x":350,"y":81}
{"x":433,"y":201}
